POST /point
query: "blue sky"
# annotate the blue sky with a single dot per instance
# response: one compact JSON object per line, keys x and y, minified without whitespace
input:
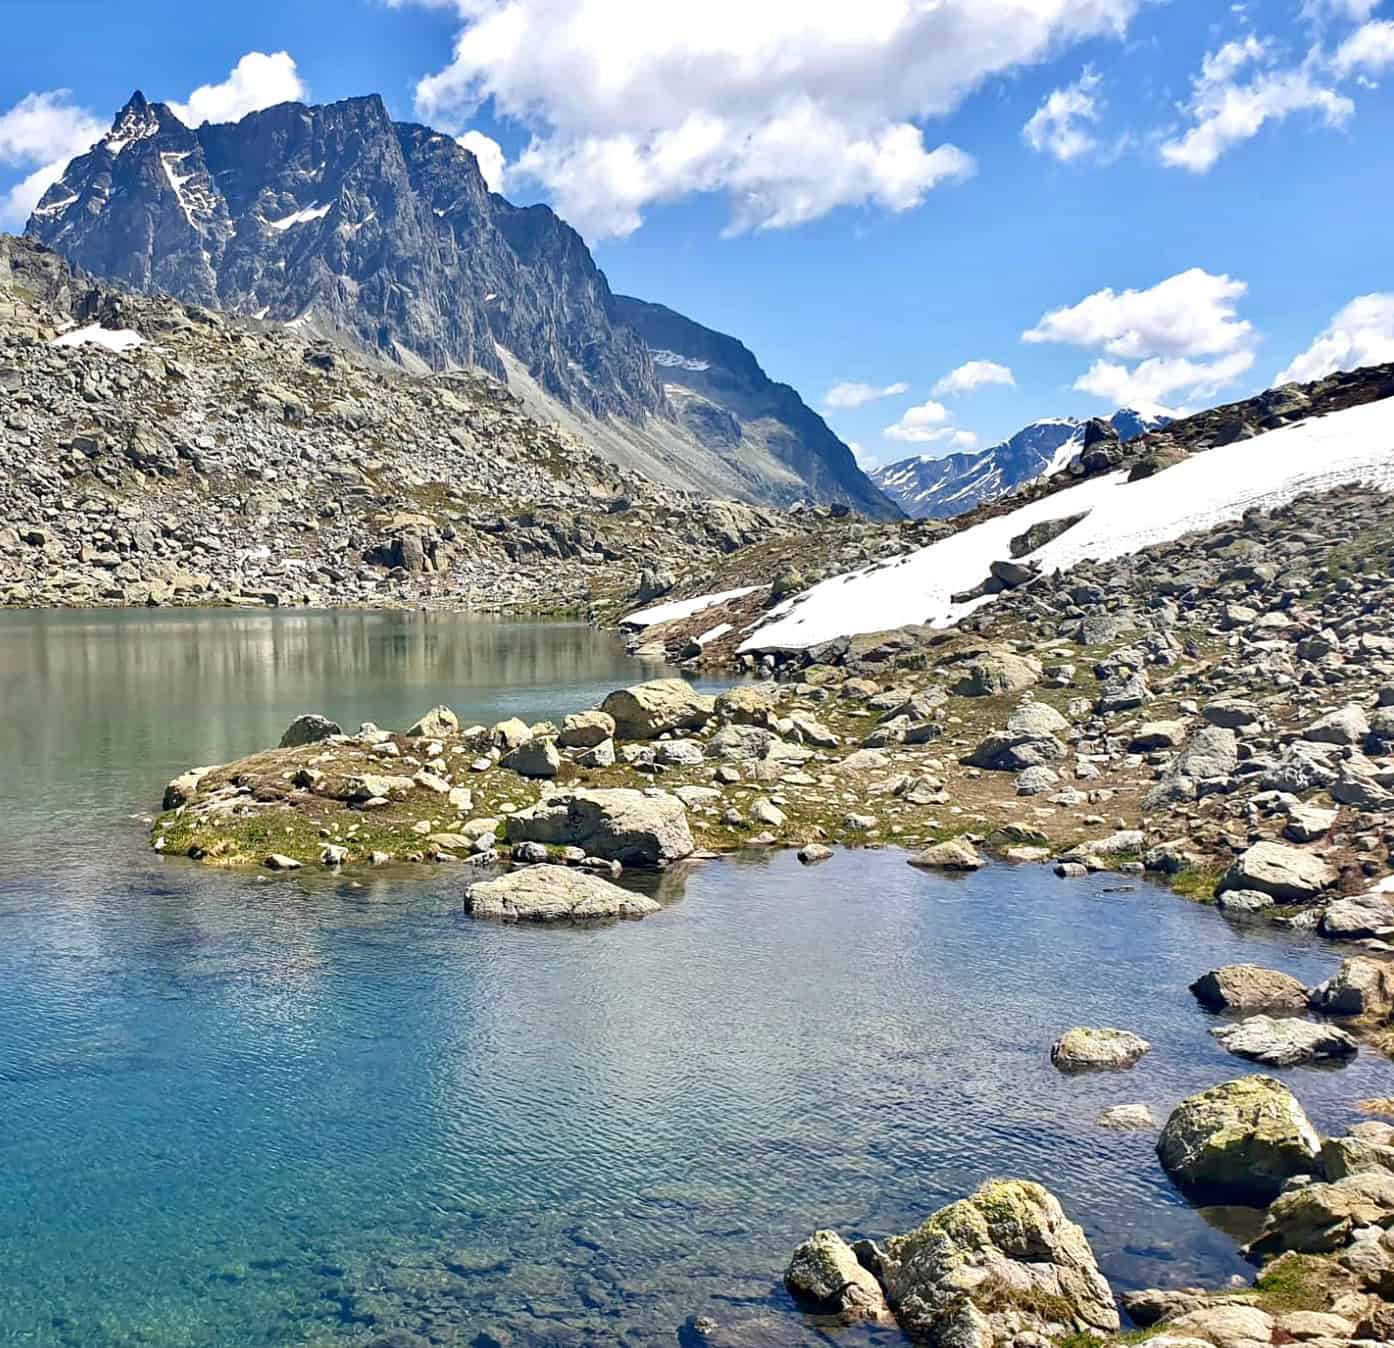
{"x":1177,"y":200}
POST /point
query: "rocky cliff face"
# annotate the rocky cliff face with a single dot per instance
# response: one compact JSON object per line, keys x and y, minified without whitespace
{"x":349,"y":226}
{"x":928,"y":488}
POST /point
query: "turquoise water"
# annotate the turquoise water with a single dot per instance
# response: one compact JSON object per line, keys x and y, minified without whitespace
{"x":294,"y":1111}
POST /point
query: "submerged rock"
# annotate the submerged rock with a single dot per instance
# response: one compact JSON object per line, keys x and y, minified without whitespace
{"x":1240,"y":1141}
{"x":553,"y":894}
{"x":825,"y":1274}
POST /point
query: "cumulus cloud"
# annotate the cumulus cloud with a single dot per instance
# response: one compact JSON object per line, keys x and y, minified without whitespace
{"x":489,"y":155}
{"x":1361,"y":334}
{"x":852,"y":394}
{"x":1354,"y":10}
{"x":1063,"y":126}
{"x":866,"y":461}
{"x":973,"y":374}
{"x":257,"y":81}
{"x":41,"y":133}
{"x":1184,"y":333}
{"x":920,"y":424}
{"x":791,"y":108}
{"x":1367,"y":51}
{"x":1238,"y":91}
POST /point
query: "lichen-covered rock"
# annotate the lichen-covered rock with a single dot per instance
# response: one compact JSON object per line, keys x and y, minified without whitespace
{"x":1318,"y":1218}
{"x":997,"y":674}
{"x":553,"y":894}
{"x":1004,"y":1262}
{"x":1249,"y":987}
{"x":648,"y":710}
{"x":955,"y":854}
{"x":1360,"y":987}
{"x":746,"y":705}
{"x":309,"y":728}
{"x":586,"y":729}
{"x":622,"y":825}
{"x":1240,"y":1141}
{"x":825,"y":1274}
{"x":1287,"y":874}
{"x":1097,"y":1050}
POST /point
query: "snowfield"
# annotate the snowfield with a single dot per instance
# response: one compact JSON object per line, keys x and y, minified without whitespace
{"x":682,"y":608}
{"x":1209,"y":488}
{"x":118,"y":339}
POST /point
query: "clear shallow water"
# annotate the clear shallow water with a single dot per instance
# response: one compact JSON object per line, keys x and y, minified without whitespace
{"x":241,"y":1111}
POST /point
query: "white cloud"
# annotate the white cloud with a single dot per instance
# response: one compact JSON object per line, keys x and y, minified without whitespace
{"x":789,"y":107}
{"x":866,"y":461}
{"x":1189,"y":314}
{"x":1354,"y":10}
{"x":1361,"y":334}
{"x":489,"y":154}
{"x":1184,"y":333}
{"x":1225,"y":111}
{"x":971,"y":375}
{"x":41,"y":133}
{"x":920,"y":424}
{"x":1063,"y":126}
{"x":852,"y":394}
{"x":257,"y":81}
{"x":1367,"y":51}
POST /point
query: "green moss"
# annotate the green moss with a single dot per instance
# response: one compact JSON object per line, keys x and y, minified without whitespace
{"x":1294,"y":1282}
{"x":1197,"y":883}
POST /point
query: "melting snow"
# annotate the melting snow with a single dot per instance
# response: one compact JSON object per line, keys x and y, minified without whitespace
{"x":299,"y":218}
{"x":1209,"y":488}
{"x":671,"y":358}
{"x":682,"y":608}
{"x":56,"y":207}
{"x":121,"y":339}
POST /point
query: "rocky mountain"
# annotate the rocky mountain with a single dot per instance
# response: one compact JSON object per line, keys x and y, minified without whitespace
{"x":929,"y":488}
{"x":383,"y":235}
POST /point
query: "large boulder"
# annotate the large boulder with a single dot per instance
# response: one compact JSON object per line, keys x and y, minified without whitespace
{"x":622,"y":825}
{"x":1358,"y":917}
{"x":997,"y":674}
{"x":1249,"y":987}
{"x":1347,"y":726}
{"x":586,"y":729}
{"x":1318,"y":1218}
{"x":747,"y":705}
{"x":1239,"y":1142}
{"x":825,"y":1275}
{"x":1360,"y":987}
{"x":537,"y":758}
{"x":1211,"y":754}
{"x":436,"y":724}
{"x":954,"y":854}
{"x":1093,"y":1050}
{"x":1285,"y":1041}
{"x":309,"y":728}
{"x":1003,"y":1263}
{"x":648,"y":710}
{"x":553,"y":894}
{"x":1286,"y":874}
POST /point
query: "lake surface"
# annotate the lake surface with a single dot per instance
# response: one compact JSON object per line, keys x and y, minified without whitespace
{"x":240,"y":1111}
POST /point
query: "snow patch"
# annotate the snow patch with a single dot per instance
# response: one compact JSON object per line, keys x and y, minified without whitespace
{"x":683,"y":608}
{"x":719,"y":630}
{"x":119,"y":339}
{"x":1208,"y":488}
{"x":56,"y":207}
{"x":302,"y":217}
{"x":672,"y":359}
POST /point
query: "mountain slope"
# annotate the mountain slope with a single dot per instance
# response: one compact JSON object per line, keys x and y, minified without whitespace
{"x":928,"y":488}
{"x":383,"y":235}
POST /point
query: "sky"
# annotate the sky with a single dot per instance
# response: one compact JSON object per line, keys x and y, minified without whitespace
{"x":937,"y":219}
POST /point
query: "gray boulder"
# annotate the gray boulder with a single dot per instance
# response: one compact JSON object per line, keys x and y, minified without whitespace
{"x":435,"y":724}
{"x":1360,"y":987}
{"x":1348,"y":726}
{"x":1358,"y":917}
{"x":622,"y":825}
{"x":997,"y":674}
{"x":1320,"y":1218}
{"x":1097,"y":1050}
{"x":955,"y":854}
{"x":309,"y":728}
{"x":586,"y":729}
{"x":825,"y":1275}
{"x":648,"y":710}
{"x":1249,"y":987}
{"x":537,"y":758}
{"x":553,"y":894}
{"x":1285,"y":1041}
{"x":1285,"y":873}
{"x":1238,"y":1142}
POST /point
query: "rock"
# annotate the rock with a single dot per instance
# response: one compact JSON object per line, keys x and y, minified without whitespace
{"x":436,"y":724}
{"x":1154,"y":735}
{"x":679,"y":753}
{"x":766,"y":812}
{"x":648,"y":710}
{"x":1342,"y":1156}
{"x":529,"y":854}
{"x":1284,"y":873}
{"x":309,"y":728}
{"x":601,"y":756}
{"x":1308,"y":823}
{"x":1248,"y":987}
{"x":586,"y":730}
{"x":333,"y":855}
{"x":746,"y":705}
{"x":1219,"y":1326}
{"x":825,"y":1275}
{"x":537,"y":758}
{"x":510,"y":734}
{"x":277,"y":861}
{"x":812,"y":853}
{"x":1358,"y":917}
{"x":1241,"y":903}
{"x":1211,"y":754}
{"x":996,"y":675}
{"x":622,"y":825}
{"x":996,"y":1268}
{"x":1123,"y":692}
{"x":956,"y":854}
{"x":1091,"y":1050}
{"x":1360,"y":987}
{"x":553,"y":894}
{"x":1348,"y":726}
{"x":1319,"y":1218}
{"x":1127,"y":1118}
{"x":1238,"y":1142}
{"x":1231,"y":712}
{"x":183,"y":788}
{"x":1285,"y":1041}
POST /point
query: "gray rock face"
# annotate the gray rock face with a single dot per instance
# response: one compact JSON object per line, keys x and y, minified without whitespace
{"x":386,"y":235}
{"x":1240,"y":1141}
{"x":620,"y":825}
{"x":553,"y":894}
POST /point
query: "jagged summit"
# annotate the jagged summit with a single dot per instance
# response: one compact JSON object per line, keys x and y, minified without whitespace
{"x":351,"y":226}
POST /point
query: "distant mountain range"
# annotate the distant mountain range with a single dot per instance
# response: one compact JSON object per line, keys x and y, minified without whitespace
{"x":929,"y":488}
{"x":343,"y":224}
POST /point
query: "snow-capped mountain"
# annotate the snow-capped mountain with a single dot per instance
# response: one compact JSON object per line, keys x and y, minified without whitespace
{"x":351,"y":226}
{"x":929,"y":488}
